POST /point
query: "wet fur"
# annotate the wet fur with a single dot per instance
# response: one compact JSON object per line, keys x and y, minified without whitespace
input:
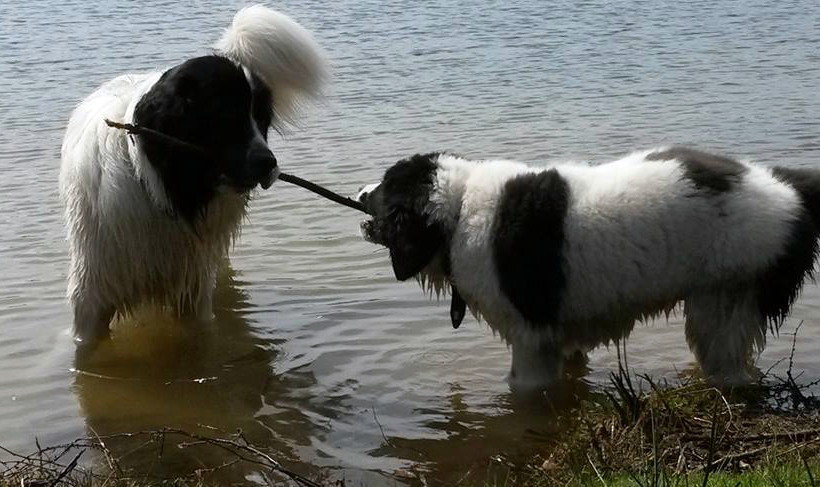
{"x":149,"y":224}
{"x":564,"y":258}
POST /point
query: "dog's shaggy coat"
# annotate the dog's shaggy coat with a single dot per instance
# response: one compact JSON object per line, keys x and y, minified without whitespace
{"x":148,"y":223}
{"x":564,"y":258}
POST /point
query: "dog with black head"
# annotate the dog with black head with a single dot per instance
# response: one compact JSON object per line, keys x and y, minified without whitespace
{"x":563,"y":258}
{"x":150,"y":222}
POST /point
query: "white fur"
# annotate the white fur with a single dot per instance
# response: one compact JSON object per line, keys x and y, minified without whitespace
{"x":632,"y":233}
{"x":281,"y":52}
{"x":126,"y":250}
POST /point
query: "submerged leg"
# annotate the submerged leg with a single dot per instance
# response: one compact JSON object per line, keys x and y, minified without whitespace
{"x":91,"y":321}
{"x":534,"y":367}
{"x":204,"y":305}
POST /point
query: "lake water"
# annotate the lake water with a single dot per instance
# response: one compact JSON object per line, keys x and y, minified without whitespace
{"x":317,"y":354}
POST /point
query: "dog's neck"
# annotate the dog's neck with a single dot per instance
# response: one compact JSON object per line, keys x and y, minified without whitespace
{"x":449,"y":186}
{"x":143,"y":169}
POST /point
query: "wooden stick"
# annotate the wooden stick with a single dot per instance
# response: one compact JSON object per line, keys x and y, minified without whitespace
{"x":172,"y":141}
{"x":337,"y":198}
{"x":187,"y":146}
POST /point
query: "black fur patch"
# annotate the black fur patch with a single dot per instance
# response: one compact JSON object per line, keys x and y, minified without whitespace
{"x":408,"y":183}
{"x":400,"y":221}
{"x":781,"y":284}
{"x":262,"y":105}
{"x":707,"y":171}
{"x":806,"y":182}
{"x":206,"y":101}
{"x":528,"y":242}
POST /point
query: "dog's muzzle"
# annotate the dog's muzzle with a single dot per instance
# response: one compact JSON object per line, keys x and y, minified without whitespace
{"x":364,"y":195}
{"x":263,"y":166}
{"x":367,"y":197}
{"x":267,"y":180}
{"x":370,"y":233}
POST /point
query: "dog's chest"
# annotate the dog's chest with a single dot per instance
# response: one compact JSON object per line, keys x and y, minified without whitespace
{"x":180,"y":262}
{"x":473,"y":266}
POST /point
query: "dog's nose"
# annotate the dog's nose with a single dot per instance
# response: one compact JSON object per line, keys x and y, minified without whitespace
{"x":261,"y":166}
{"x":261,"y":159}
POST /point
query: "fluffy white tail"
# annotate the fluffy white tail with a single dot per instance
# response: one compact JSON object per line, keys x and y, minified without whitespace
{"x":282,"y":52}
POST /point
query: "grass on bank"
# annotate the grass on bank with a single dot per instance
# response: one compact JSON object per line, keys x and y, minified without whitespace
{"x":692,"y":435}
{"x":641,"y":433}
{"x":792,"y":474}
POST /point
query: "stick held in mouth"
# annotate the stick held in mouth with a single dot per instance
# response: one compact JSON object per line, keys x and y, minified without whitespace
{"x":288,"y":178}
{"x":335,"y":197}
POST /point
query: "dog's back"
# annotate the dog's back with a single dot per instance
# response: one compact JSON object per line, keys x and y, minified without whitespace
{"x":640,"y":230}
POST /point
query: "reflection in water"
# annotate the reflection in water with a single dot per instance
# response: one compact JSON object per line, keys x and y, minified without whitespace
{"x":212,"y":379}
{"x":473,"y":446}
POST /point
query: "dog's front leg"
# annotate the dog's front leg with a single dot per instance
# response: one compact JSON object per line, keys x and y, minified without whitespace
{"x":204,"y":304}
{"x":534,"y":366}
{"x":91,"y":322}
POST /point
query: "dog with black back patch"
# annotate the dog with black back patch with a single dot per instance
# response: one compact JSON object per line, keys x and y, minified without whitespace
{"x":564,"y":258}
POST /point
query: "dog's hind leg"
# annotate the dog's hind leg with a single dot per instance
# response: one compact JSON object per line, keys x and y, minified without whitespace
{"x":724,"y":326}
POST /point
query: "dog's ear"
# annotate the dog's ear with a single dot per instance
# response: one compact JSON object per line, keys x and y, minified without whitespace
{"x":412,"y":243}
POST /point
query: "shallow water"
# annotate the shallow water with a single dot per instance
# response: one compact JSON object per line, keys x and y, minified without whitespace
{"x":316,"y":353}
